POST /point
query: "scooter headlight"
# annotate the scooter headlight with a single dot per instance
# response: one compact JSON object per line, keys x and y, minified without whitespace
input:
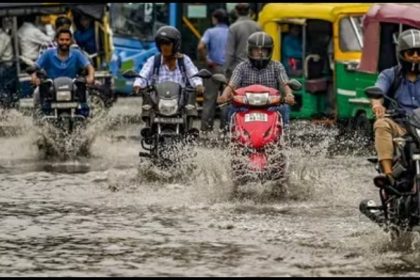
{"x":257,"y":99}
{"x":168,"y":107}
{"x":64,"y":95}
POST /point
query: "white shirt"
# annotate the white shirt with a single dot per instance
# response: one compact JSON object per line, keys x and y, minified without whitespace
{"x":6,"y":50}
{"x":31,"y":40}
{"x":166,"y":75}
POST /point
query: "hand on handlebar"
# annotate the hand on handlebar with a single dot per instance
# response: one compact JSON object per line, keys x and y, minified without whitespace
{"x":90,"y":80}
{"x":290,"y":99}
{"x":36,"y":81}
{"x":379,"y":111}
{"x":222,"y":99}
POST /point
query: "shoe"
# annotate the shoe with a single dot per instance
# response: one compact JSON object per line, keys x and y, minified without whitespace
{"x":384,"y":180}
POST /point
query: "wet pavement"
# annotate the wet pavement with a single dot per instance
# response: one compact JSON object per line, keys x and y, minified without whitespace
{"x":109,"y":215}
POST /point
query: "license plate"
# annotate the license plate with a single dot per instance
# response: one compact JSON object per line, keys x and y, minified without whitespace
{"x":256,"y":117}
{"x":169,"y":120}
{"x":64,"y":105}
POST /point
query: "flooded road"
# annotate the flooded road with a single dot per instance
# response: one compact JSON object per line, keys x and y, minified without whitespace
{"x":106,"y":216}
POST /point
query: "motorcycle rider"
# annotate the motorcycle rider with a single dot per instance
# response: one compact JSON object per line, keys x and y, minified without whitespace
{"x":401,"y":82}
{"x":62,"y":61}
{"x":259,"y":69}
{"x":168,"y":65}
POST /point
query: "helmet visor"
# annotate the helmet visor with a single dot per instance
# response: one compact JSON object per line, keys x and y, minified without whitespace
{"x":164,"y":41}
{"x":411,"y":52}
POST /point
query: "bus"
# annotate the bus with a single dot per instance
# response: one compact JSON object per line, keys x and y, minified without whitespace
{"x":134,"y":26}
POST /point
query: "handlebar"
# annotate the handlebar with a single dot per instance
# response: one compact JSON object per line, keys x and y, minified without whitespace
{"x":395,"y":113}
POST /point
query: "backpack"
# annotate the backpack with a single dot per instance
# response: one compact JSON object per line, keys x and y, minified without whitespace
{"x":181,"y":64}
{"x":396,"y":82}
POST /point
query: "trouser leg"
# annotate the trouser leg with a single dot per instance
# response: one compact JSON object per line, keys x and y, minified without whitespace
{"x":209,"y":102}
{"x":385,"y":130}
{"x":285,"y":114}
{"x":37,"y":103}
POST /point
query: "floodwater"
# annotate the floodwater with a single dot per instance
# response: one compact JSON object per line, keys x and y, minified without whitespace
{"x":106,"y":215}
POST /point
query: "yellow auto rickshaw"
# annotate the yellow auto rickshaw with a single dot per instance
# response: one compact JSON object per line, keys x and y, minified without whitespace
{"x":330,"y":41}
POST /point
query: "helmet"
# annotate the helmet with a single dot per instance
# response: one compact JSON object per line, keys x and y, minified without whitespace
{"x":62,"y":20}
{"x":409,"y":39}
{"x":169,"y":33}
{"x":263,"y":41}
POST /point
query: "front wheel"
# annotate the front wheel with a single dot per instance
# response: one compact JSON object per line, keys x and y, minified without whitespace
{"x":97,"y":106}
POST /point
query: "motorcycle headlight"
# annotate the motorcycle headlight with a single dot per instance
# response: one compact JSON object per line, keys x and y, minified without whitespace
{"x":168,"y":107}
{"x":64,"y":95}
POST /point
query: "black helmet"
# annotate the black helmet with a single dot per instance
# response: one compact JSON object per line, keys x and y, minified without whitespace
{"x":62,"y":20}
{"x":169,"y":33}
{"x":262,"y":41}
{"x":408,"y":39}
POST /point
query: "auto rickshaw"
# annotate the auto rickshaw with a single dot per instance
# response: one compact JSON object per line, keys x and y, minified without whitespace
{"x":381,"y":27}
{"x":47,"y":12}
{"x":331,"y":43}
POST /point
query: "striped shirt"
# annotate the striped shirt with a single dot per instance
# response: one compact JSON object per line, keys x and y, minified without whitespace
{"x":245,"y":75}
{"x":166,"y":75}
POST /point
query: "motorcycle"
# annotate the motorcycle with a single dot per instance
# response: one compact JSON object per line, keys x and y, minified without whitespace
{"x":169,"y":122}
{"x":64,"y":111}
{"x":399,"y":210}
{"x":256,"y":133}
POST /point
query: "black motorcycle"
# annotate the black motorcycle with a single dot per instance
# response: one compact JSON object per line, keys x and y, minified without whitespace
{"x":400,"y":202}
{"x":63,"y":101}
{"x":169,"y":120}
{"x":62,"y":114}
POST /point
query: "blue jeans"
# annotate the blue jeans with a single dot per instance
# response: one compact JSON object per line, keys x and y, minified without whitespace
{"x":283,"y":109}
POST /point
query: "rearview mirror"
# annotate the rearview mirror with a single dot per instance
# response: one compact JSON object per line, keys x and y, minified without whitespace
{"x":294,"y":84}
{"x":130,"y":74}
{"x":203,"y":73}
{"x":219,"y":78}
{"x":374,"y":92}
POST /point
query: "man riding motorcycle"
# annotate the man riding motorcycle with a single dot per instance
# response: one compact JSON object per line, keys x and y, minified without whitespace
{"x":168,"y":65}
{"x":401,"y":82}
{"x":62,"y":61}
{"x":259,"y":69}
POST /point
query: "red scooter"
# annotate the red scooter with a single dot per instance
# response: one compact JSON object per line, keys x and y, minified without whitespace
{"x":256,"y":134}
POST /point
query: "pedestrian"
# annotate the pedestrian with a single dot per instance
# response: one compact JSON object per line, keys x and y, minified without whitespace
{"x":236,"y":47}
{"x":211,"y":49}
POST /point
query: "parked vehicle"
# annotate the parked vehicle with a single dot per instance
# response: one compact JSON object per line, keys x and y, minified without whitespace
{"x":332,"y":41}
